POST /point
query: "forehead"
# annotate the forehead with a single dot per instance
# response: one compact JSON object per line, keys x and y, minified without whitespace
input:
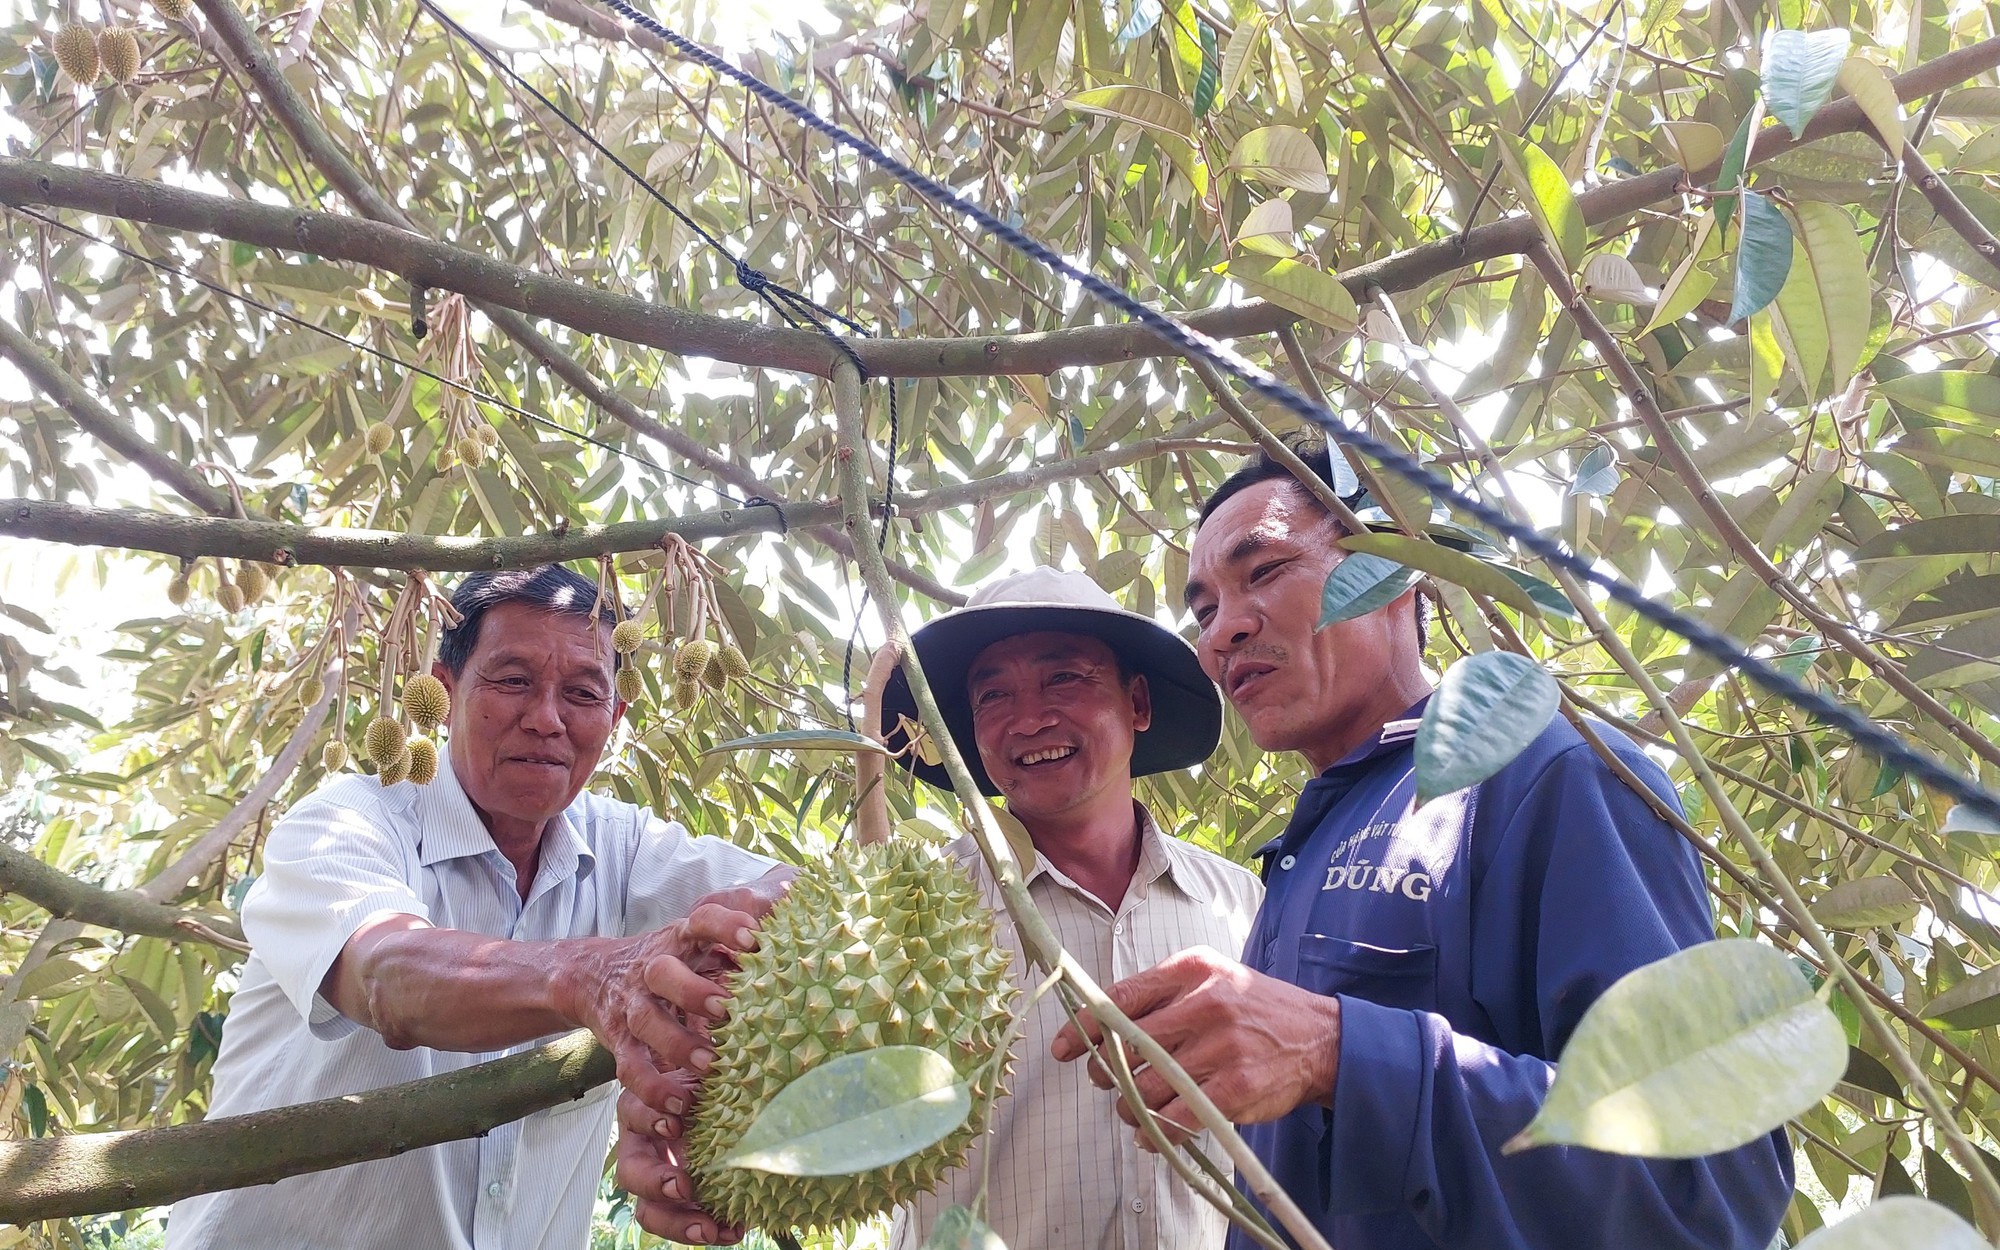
{"x":523,"y":631}
{"x":1262,"y":515}
{"x":1042,"y":649}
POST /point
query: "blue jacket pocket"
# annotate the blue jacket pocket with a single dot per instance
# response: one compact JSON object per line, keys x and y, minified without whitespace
{"x":1404,"y":978}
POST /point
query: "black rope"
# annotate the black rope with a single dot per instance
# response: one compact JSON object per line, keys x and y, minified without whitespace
{"x":1190,"y":342}
{"x":368,"y":348}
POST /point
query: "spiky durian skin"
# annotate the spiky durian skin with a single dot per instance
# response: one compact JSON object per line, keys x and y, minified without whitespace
{"x":75,"y":47}
{"x":385,"y":741}
{"x":626,"y":635}
{"x":427,"y":701}
{"x":118,"y":50}
{"x":692,"y":658}
{"x":423,"y":761}
{"x":884,"y":946}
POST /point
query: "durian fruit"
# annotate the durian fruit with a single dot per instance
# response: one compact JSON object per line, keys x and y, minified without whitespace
{"x":334,"y":757}
{"x":630,"y":684}
{"x":627,"y":635}
{"x":118,"y":48}
{"x":76,"y":51}
{"x":252,"y":580}
{"x":687,"y":693}
{"x":177,"y":590}
{"x":398,"y":769}
{"x":487,"y":435}
{"x":311,"y":690}
{"x":886,"y":945}
{"x":378,"y":437}
{"x":229,"y":597}
{"x":692,"y":658}
{"x":472,"y":451}
{"x":712,"y":673}
{"x":735,"y":665}
{"x":423,"y":761}
{"x":385,"y":740}
{"x":427,"y":702}
{"x":174,"y":10}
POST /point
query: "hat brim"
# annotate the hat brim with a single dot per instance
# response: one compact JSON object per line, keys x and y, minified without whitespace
{"x":1187,"y":710}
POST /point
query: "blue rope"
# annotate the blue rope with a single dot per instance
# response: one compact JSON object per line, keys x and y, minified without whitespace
{"x":1191,"y":342}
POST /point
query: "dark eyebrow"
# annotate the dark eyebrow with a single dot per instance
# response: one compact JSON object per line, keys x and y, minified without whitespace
{"x":1248,"y":545}
{"x":1053,"y":655}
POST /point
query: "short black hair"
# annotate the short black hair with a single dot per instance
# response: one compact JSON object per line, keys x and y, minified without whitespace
{"x":550,"y":587}
{"x":1317,"y":454}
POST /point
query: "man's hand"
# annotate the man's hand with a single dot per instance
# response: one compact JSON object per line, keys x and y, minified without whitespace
{"x":1257,"y":1046}
{"x":650,"y":1168}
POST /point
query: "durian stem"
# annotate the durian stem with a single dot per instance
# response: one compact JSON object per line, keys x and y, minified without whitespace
{"x":871,"y":821}
{"x":1042,"y":946}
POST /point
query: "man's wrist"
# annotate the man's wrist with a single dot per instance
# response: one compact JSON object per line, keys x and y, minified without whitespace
{"x":1324,"y":1074}
{"x":576,"y":979}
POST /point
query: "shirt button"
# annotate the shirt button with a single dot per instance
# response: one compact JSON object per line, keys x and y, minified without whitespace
{"x":1118,"y":929}
{"x":493,"y":1190}
{"x":1288,"y":861}
{"x":1138,"y":1206}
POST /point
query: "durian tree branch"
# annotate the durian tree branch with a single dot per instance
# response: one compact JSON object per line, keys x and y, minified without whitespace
{"x":100,"y":423}
{"x":127,"y":911}
{"x":89,"y":1173}
{"x":1043,"y":947}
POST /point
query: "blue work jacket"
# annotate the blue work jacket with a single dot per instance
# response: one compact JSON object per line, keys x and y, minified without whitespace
{"x":1464,"y":939}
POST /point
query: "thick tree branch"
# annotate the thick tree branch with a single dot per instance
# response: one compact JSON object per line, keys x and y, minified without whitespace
{"x":127,"y":911}
{"x":87,"y":1173}
{"x":54,"y":381}
{"x":1953,"y":212}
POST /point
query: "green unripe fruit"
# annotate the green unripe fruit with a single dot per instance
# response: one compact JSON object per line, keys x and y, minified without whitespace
{"x":487,"y":435}
{"x":472,"y":451}
{"x":385,"y":741}
{"x":423,"y":761}
{"x":627,"y":636}
{"x":118,"y":48}
{"x":334,"y":757}
{"x":398,"y":769}
{"x":630,"y":684}
{"x":687,"y":693}
{"x":692,"y":658}
{"x":378,"y":437}
{"x":177,"y":590}
{"x":427,"y":702}
{"x":311,"y":691}
{"x":735,"y":665}
{"x":712,"y":674}
{"x":76,"y":51}
{"x":229,"y":597}
{"x":174,"y":10}
{"x":882,"y":946}
{"x":252,"y":580}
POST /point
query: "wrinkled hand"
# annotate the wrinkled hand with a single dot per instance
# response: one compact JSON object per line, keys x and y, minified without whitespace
{"x":652,"y":999}
{"x":650,"y":1168}
{"x":1257,"y":1046}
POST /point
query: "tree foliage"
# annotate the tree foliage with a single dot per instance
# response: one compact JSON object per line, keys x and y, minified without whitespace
{"x":1810,"y":302}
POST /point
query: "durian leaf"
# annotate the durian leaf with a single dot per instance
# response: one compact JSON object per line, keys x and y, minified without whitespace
{"x":1700,"y":1052}
{"x":854,"y":1113}
{"x":959,"y":1229}
{"x":801,"y":740}
{"x":1487,"y":709}
{"x":1896,"y":1223}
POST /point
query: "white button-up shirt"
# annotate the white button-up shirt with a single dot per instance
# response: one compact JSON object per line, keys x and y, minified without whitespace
{"x":356,"y":850}
{"x":1067,"y":1173}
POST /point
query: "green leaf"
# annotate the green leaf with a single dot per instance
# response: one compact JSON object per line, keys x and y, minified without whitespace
{"x":1691,"y":280}
{"x":1865,"y":1071}
{"x":1872,"y":90}
{"x":1969,"y":534}
{"x":1898,"y":1222}
{"x":1799,"y":73}
{"x":854,"y":1113}
{"x":1301,"y":288}
{"x":1267,"y":229}
{"x":1799,"y":319}
{"x":1695,"y":145}
{"x":1140,"y":105}
{"x":1206,"y":82}
{"x":1840,"y":272}
{"x":1546,"y":190}
{"x":1453,"y":566}
{"x":1865,"y":903}
{"x":1547,"y":595}
{"x":1486,"y":711}
{"x":1283,"y":156}
{"x":1948,"y":395}
{"x":1799,"y":656}
{"x":1361,"y":583}
{"x":1236,"y":61}
{"x":1973,"y":1003}
{"x":1700,"y":1052}
{"x":1730,"y":176}
{"x":1596,"y":473}
{"x":843,"y":740}
{"x":1962,"y":819}
{"x":959,"y":1229}
{"x":1763,"y":256}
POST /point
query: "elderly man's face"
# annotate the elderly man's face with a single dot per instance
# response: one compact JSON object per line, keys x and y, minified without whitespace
{"x":531,"y":712}
{"x":1053,"y":722}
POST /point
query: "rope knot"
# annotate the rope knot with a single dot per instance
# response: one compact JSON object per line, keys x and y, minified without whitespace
{"x":751,"y":279}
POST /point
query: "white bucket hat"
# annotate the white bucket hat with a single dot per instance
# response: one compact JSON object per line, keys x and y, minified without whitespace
{"x":1187,"y":711}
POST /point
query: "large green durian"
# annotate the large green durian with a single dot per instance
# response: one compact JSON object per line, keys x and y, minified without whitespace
{"x":883,"y":946}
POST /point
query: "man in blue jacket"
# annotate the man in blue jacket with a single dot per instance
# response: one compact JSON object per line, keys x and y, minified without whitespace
{"x":1414,"y":972}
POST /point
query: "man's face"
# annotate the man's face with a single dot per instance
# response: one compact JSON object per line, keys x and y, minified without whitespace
{"x":1255,"y":576}
{"x":531,"y":712}
{"x":1053,"y":723}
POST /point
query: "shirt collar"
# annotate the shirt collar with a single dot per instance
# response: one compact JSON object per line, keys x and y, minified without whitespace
{"x":1343,"y":774}
{"x":1159,"y":855}
{"x":449,"y":827}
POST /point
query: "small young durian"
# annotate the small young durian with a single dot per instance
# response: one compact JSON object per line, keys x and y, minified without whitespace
{"x":378,"y":437}
{"x":174,"y":10}
{"x":397,"y":769}
{"x":423,"y":761}
{"x":487,"y":435}
{"x":230,"y":598}
{"x":735,"y":665}
{"x":334,"y":757}
{"x":76,"y":51}
{"x":687,"y":693}
{"x":472,"y":451}
{"x":311,"y":690}
{"x":630,"y":685}
{"x":692,"y":658}
{"x":118,"y":49}
{"x":385,"y":741}
{"x":427,"y":702}
{"x":626,"y":637}
{"x":252,"y":580}
{"x":713,"y":675}
{"x":177,"y":590}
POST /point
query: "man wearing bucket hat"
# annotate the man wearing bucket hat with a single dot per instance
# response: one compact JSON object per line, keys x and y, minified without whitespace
{"x":1058,"y":698}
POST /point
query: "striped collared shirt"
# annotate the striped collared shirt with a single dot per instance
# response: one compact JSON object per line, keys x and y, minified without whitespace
{"x":356,"y":850}
{"x":1067,"y":1173}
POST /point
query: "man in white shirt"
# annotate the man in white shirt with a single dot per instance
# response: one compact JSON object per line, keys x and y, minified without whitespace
{"x":1057,"y":697}
{"x":409,"y":930}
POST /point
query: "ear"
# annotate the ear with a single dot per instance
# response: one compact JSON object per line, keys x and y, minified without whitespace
{"x":1142,"y":705}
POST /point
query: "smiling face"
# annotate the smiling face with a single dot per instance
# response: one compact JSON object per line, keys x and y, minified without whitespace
{"x":1255,"y":576}
{"x":1055,"y":724}
{"x":530,"y":715}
